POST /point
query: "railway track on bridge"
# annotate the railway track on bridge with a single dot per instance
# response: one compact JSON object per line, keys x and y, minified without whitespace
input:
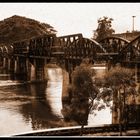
{"x":76,"y":130}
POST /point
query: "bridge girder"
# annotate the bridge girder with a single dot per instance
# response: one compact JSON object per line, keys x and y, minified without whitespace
{"x":6,"y":50}
{"x":77,"y":47}
{"x":132,"y":51}
{"x":114,"y":47}
{"x":114,"y":44}
{"x":73,"y":47}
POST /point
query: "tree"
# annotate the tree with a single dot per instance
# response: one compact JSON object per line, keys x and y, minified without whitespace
{"x":82,"y":93}
{"x":18,"y":28}
{"x":118,"y":84}
{"x":104,"y":28}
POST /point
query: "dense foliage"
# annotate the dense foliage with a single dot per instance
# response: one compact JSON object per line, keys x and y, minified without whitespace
{"x":104,"y":28}
{"x":18,"y":28}
{"x":82,"y":93}
{"x":118,"y":85}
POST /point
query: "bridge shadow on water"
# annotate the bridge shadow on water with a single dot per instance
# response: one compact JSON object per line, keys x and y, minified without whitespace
{"x":38,"y":110}
{"x":32,"y":101}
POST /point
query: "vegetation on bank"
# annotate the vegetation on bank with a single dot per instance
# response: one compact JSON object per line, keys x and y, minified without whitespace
{"x":86,"y":91}
{"x":118,"y":85}
{"x":17,"y":28}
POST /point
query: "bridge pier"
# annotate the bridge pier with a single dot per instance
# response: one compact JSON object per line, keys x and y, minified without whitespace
{"x":20,"y":68}
{"x":11,"y":65}
{"x":67,"y":77}
{"x":1,"y":61}
{"x":40,"y":72}
{"x":37,"y":70}
{"x":68,"y":69}
{"x":25,"y":69}
{"x":5,"y":63}
{"x":70,"y":66}
{"x":65,"y":85}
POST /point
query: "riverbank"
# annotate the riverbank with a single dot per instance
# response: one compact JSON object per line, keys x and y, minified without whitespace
{"x":99,"y":130}
{"x":127,"y":133}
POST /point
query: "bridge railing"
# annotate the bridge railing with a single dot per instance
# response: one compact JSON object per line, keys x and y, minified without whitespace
{"x":76,"y":130}
{"x":36,"y":46}
{"x":68,"y":43}
{"x":113,"y":44}
{"x":75,"y":46}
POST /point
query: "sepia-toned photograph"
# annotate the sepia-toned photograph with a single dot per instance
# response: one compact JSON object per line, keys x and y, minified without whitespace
{"x":69,"y":69}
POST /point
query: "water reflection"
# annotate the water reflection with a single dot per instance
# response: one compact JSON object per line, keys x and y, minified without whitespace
{"x":26,"y":107}
{"x":54,"y":90}
{"x":38,"y":109}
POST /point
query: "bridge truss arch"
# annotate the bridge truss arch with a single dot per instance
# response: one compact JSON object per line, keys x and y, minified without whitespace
{"x":77,"y":47}
{"x":6,"y":50}
{"x":114,"y":44}
{"x":132,"y":51}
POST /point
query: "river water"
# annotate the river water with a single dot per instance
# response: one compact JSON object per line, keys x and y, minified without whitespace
{"x":27,"y":107}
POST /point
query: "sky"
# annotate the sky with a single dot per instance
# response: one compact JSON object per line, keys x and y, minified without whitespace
{"x":71,"y":18}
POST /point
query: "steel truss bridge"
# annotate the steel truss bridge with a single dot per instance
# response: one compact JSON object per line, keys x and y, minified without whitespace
{"x":74,"y":47}
{"x":69,"y":51}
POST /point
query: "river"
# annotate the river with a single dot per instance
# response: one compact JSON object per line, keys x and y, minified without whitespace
{"x":27,"y":107}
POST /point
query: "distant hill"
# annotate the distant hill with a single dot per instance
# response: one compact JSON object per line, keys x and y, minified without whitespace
{"x":18,"y":28}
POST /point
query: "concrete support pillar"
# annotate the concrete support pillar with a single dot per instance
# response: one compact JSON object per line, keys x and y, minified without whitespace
{"x":38,"y":70}
{"x":65,"y":85}
{"x":11,"y":64}
{"x":1,"y":61}
{"x":40,"y":75}
{"x":66,"y":97}
{"x":15,"y":65}
{"x":28,"y":64}
{"x":5,"y":63}
{"x":69,"y":69}
{"x":9,"y":60}
{"x":20,"y":65}
{"x":32,"y":71}
{"x":20,"y":69}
